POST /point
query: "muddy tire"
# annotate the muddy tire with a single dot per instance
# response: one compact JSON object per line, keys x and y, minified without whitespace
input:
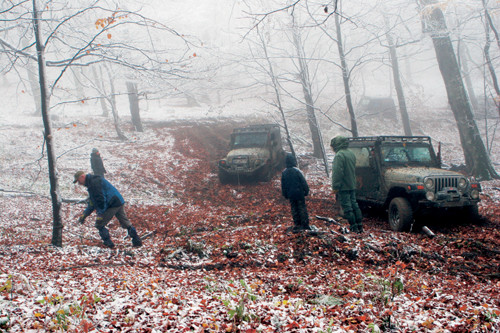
{"x":400,"y":214}
{"x":471,"y":214}
{"x":267,"y":175}
{"x":224,"y":178}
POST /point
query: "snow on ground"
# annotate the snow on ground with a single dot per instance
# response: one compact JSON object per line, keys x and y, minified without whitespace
{"x":220,"y":259}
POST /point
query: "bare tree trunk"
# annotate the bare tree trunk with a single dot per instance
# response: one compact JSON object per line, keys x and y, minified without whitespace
{"x":305,"y":81}
{"x":277,"y":93}
{"x":489,"y":64}
{"x":80,"y":94}
{"x":476,"y":156}
{"x":35,"y":88}
{"x":134,"y":106}
{"x":191,"y":101}
{"x":463,"y":60}
{"x":397,"y":82}
{"x":112,"y":102}
{"x":54,"y":187}
{"x":345,"y":77}
{"x":99,"y":81}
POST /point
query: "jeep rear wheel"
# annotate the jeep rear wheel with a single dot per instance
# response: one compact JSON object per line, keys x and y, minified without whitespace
{"x":400,"y":214}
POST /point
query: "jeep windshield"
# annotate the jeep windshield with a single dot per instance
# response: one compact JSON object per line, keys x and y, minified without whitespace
{"x":241,"y":140}
{"x":407,"y":154}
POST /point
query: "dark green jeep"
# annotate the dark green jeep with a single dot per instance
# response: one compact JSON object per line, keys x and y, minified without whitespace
{"x":403,"y":175}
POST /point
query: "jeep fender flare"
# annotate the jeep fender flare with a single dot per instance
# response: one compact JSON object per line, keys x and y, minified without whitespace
{"x":398,"y":191}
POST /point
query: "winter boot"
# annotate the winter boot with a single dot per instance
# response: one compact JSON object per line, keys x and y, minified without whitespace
{"x":296,"y":228}
{"x":136,"y":240}
{"x":349,"y":216}
{"x":106,"y":239}
{"x":359,"y":220}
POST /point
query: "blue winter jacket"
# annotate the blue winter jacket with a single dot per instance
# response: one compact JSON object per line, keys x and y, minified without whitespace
{"x":293,"y":183}
{"x":102,"y":194}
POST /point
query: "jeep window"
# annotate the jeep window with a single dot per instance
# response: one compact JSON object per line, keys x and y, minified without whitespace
{"x":362,"y":156}
{"x":249,"y":140}
{"x":418,"y":155}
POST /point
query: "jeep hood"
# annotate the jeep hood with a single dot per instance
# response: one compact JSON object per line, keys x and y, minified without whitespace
{"x":261,"y":153}
{"x":416,"y":175}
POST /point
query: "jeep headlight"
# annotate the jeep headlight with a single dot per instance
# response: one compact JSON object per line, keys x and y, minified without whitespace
{"x":430,"y":196}
{"x":429,"y":183}
{"x":474,"y":194}
{"x":462,"y":183}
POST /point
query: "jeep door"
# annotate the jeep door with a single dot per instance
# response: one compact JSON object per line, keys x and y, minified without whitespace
{"x":367,"y":178}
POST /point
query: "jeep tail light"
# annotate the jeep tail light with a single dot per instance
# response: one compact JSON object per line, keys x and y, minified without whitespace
{"x":474,"y":185}
{"x":222,"y":162}
{"x":420,"y":187}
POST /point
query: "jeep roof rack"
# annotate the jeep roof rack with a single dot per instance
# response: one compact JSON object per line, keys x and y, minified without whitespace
{"x":253,"y":128}
{"x":392,"y":138}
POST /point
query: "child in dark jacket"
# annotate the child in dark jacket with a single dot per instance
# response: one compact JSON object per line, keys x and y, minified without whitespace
{"x":294,"y":188}
{"x":96,"y":163}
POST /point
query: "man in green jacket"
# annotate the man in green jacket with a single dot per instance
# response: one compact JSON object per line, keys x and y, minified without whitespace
{"x":344,"y":182}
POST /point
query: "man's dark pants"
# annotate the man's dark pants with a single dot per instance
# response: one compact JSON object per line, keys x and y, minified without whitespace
{"x":352,"y":213}
{"x":299,"y":214}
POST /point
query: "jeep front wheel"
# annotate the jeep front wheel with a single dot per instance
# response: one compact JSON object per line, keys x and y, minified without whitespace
{"x":400,"y":214}
{"x":223,"y":177}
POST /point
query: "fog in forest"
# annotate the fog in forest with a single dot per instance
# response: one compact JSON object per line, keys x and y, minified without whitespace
{"x":243,"y":56}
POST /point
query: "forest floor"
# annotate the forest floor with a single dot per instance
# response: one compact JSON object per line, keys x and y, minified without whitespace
{"x":221,"y":258}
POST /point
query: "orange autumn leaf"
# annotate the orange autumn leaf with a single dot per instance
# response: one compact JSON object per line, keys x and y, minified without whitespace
{"x":109,"y":36}
{"x":194,"y":54}
{"x":463,"y":308}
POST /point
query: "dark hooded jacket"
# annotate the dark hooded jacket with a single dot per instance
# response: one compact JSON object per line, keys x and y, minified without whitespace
{"x":343,"y":167}
{"x":102,"y":195}
{"x":293,"y":183}
{"x":96,"y":164}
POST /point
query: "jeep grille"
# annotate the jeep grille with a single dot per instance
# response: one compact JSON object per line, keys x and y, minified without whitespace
{"x":442,"y":182}
{"x":240,"y":161}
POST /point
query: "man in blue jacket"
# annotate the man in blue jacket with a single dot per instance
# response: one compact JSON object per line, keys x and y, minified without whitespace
{"x":294,"y":188}
{"x":107,"y":202}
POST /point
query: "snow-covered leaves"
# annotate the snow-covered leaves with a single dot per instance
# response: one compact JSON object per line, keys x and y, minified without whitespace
{"x":222,"y":258}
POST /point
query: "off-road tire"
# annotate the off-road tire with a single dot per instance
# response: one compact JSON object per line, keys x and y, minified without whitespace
{"x":267,"y":175}
{"x":471,"y":214}
{"x":224,"y":178}
{"x":400,"y":214}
